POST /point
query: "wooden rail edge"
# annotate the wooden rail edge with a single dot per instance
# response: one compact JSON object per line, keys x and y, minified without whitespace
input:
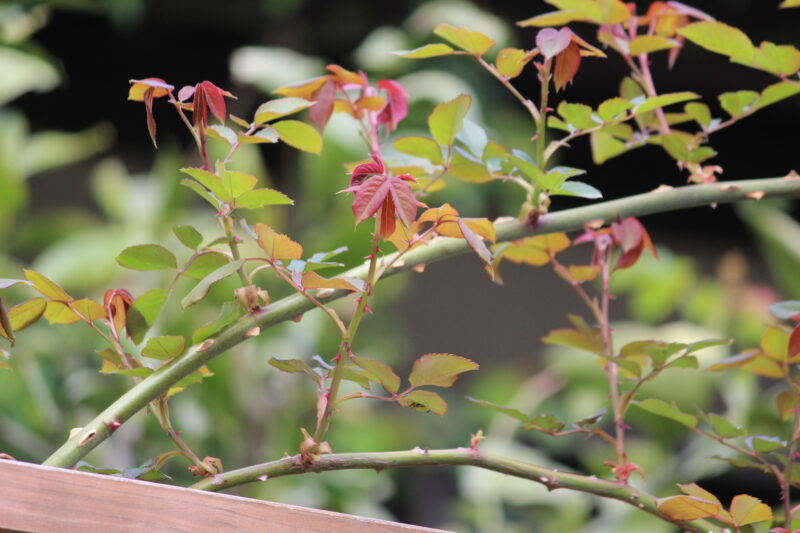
{"x":36,"y":498}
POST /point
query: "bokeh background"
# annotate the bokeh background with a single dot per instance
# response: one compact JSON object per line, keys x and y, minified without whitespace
{"x":80,"y":180}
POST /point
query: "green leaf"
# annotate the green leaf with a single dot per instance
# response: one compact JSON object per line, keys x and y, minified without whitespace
{"x":425,"y":401}
{"x":545,"y":423}
{"x":259,"y":198}
{"x":720,"y":38}
{"x":725,"y":429}
{"x":474,"y":138}
{"x":47,"y":287}
{"x":294,"y":366}
{"x":280,"y":108}
{"x":606,"y":145}
{"x":736,"y":103}
{"x":578,"y":116}
{"x":613,"y":108}
{"x":210,"y":181}
{"x":746,"y":509}
{"x":447,"y":118}
{"x":189,"y":237}
{"x":644,"y":44}
{"x":420,"y":147}
{"x":237,"y":183}
{"x":662,"y":408}
{"x":205,"y":263}
{"x":473,"y":42}
{"x":663,"y":100}
{"x":26,"y":313}
{"x":573,"y":338}
{"x":201,"y":289}
{"x":228,"y":314}
{"x":764,"y":444}
{"x":356,"y":377}
{"x":165,"y":347}
{"x":513,"y":413}
{"x":201,"y":191}
{"x":781,"y":60}
{"x":143,"y":313}
{"x":528,"y":168}
{"x":147,"y":257}
{"x":777,"y":92}
{"x":140,"y":372}
{"x":592,"y":419}
{"x":578,"y":188}
{"x":699,"y":112}
{"x":429,"y":50}
{"x":439,"y":369}
{"x":379,"y":373}
{"x":469,"y":171}
{"x":222,"y":133}
{"x":299,"y":135}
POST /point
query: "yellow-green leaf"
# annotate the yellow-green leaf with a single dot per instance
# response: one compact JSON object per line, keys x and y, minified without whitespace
{"x":26,"y":313}
{"x":662,"y":100}
{"x":439,"y":369}
{"x":6,"y":329}
{"x":379,"y":373}
{"x":473,"y":42}
{"x":687,"y":507}
{"x":425,"y":401}
{"x":276,"y":245}
{"x":58,"y":313}
{"x":312,"y":280}
{"x":89,"y":309}
{"x":613,"y":108}
{"x":720,"y":38}
{"x":47,"y":287}
{"x":447,"y":119}
{"x":259,"y":198}
{"x":693,"y":489}
{"x":552,"y":18}
{"x":280,"y":108}
{"x":420,"y":147}
{"x":299,"y":135}
{"x":429,"y":50}
{"x":662,"y":408}
{"x":736,"y":103}
{"x":789,"y":3}
{"x":746,"y":509}
{"x":468,"y":170}
{"x":511,"y":61}
{"x":210,"y":181}
{"x":205,"y":263}
{"x":644,"y":44}
{"x":237,"y":183}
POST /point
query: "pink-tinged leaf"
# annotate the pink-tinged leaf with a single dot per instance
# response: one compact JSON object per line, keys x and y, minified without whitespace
{"x":186,"y":92}
{"x":365,"y":170}
{"x":388,"y":224}
{"x":369,"y":197}
{"x":320,"y":114}
{"x":632,"y":238}
{"x":393,"y":193}
{"x":552,"y":42}
{"x":139,"y":87}
{"x":475,"y":242}
{"x":405,"y":202}
{"x":566,"y":67}
{"x":439,"y":369}
{"x":397,"y":108}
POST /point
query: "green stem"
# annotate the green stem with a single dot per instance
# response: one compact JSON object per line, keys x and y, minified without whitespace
{"x":228,"y":221}
{"x":347,"y":341}
{"x":293,"y":306}
{"x":379,"y":461}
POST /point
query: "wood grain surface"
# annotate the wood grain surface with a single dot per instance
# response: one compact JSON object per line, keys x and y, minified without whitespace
{"x":44,"y":499}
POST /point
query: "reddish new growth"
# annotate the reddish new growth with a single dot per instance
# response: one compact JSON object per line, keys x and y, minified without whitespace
{"x":567,"y":48}
{"x":377,"y":192}
{"x":205,"y":97}
{"x":628,"y":234}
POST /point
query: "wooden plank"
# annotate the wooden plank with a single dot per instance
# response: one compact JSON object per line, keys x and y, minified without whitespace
{"x":44,"y":499}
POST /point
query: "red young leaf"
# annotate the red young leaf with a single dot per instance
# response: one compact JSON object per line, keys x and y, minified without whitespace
{"x":151,"y":121}
{"x":214,"y":97}
{"x":324,"y":97}
{"x":185,"y":93}
{"x":632,"y":238}
{"x":551,"y":42}
{"x":567,"y":64}
{"x":365,"y":170}
{"x":794,"y":342}
{"x":390,"y":193}
{"x":397,"y":107}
